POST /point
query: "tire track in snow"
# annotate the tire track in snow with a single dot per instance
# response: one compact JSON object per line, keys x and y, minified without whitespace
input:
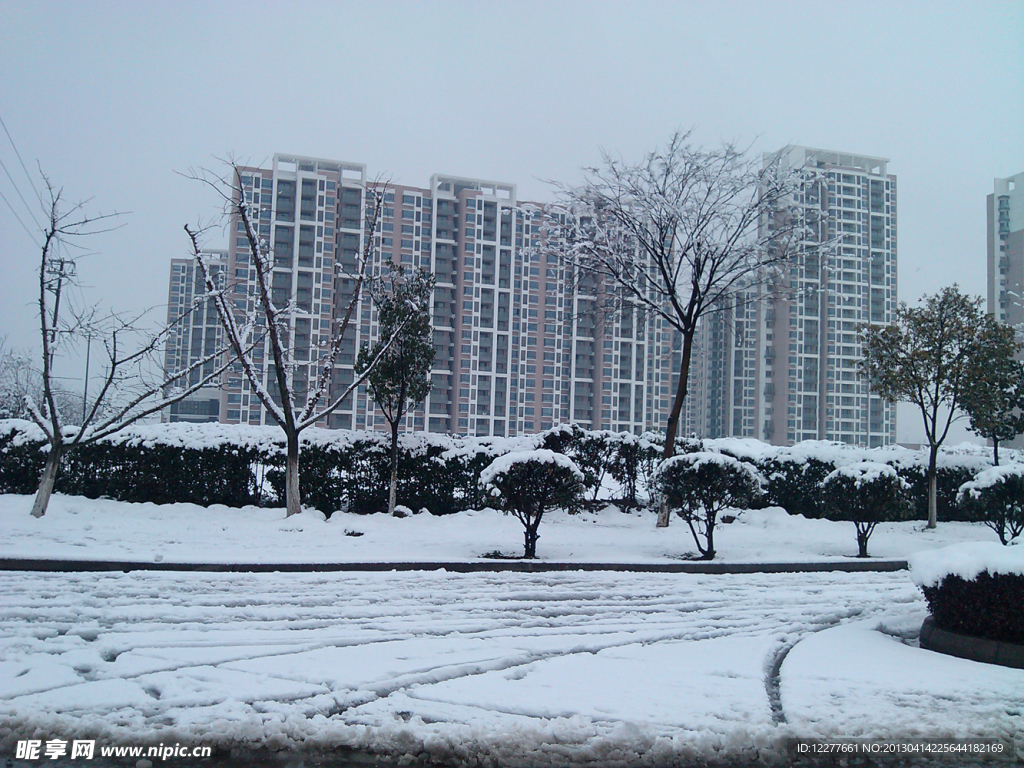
{"x":570,"y":613}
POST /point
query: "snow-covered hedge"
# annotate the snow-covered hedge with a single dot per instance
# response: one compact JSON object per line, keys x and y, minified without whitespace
{"x":974,"y":589}
{"x":342,"y":469}
{"x":165,"y":464}
{"x":795,"y":473}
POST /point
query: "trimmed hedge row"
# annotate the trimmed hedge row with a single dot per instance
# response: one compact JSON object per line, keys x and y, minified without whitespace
{"x":988,"y":606}
{"x":342,"y":470}
{"x":157,"y":473}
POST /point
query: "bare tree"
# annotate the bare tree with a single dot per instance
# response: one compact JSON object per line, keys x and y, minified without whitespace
{"x":678,"y":235}
{"x":129,"y":390}
{"x":293,"y":410}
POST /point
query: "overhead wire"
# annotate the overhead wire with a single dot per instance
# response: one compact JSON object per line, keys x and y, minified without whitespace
{"x":23,"y":200}
{"x":17,"y":189}
{"x":28,"y":175}
{"x":16,"y":216}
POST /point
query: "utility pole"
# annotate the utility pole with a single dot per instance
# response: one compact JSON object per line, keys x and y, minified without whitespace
{"x":85,"y":386}
{"x":58,"y":268}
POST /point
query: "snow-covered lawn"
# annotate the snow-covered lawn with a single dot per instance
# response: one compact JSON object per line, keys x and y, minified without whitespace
{"x":560,"y":668}
{"x":76,"y":528}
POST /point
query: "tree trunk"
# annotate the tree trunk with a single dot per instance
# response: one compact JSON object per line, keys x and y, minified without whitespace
{"x":48,"y":480}
{"x":673,"y":420}
{"x":933,"y":486}
{"x":995,"y":451}
{"x":709,"y":554}
{"x":291,"y":477}
{"x":862,"y":541}
{"x":531,"y":537}
{"x":393,"y":490}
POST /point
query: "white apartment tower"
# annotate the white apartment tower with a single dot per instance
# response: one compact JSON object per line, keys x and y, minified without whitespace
{"x":196,"y":334}
{"x":842,"y":277}
{"x":1006,"y":250}
{"x":781,"y":362}
{"x":519,"y":346}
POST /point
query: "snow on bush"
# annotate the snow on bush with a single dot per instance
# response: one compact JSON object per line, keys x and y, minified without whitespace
{"x":996,"y":497}
{"x":866,"y":493}
{"x":974,"y":589}
{"x":342,"y":469}
{"x":967,"y":560}
{"x":528,"y":483}
{"x":698,"y":486}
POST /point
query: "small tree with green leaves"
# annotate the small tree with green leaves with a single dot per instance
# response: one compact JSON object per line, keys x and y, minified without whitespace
{"x":866,"y":493}
{"x":528,"y":483}
{"x":993,"y":397}
{"x":925,"y":357}
{"x":995,"y":497}
{"x":399,"y":364}
{"x":699,"y":486}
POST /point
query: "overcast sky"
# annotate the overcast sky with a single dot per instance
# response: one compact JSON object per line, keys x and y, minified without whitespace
{"x":112,"y":99}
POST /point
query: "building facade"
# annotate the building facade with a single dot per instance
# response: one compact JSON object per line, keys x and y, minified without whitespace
{"x":521,"y":344}
{"x":781,"y":361}
{"x":1005,"y":209}
{"x":195,"y":336}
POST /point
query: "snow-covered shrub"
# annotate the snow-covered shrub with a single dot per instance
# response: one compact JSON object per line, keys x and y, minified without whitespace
{"x":974,"y":589}
{"x":949,"y":477}
{"x":633,"y":465}
{"x":996,"y":498}
{"x":794,"y":483}
{"x":132,"y":466}
{"x":866,"y":493}
{"x":21,"y":457}
{"x":528,"y":483}
{"x":698,"y":486}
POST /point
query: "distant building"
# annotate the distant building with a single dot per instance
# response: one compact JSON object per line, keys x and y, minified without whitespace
{"x":1005,"y":207}
{"x":519,"y":345}
{"x":521,"y":341}
{"x":780,"y":362}
{"x":197,"y":335}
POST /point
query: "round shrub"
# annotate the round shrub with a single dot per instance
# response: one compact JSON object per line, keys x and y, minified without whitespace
{"x":866,"y":493}
{"x":526,"y":484}
{"x":698,"y":486}
{"x":995,"y":497}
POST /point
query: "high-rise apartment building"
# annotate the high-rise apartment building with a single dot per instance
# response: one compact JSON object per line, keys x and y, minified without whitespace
{"x":195,"y":336}
{"x":782,"y":364}
{"x":1006,"y":250}
{"x":520,"y":342}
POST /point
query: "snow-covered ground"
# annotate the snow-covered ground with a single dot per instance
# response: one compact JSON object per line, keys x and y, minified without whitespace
{"x":76,"y":528}
{"x":561,"y":668}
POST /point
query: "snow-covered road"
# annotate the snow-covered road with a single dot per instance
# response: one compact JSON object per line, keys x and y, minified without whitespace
{"x":623,"y":666}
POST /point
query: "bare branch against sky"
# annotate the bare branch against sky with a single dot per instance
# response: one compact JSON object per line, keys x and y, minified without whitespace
{"x":111,"y":98}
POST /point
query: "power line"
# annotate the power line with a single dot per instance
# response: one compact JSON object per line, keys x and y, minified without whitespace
{"x":28,"y":176}
{"x":14,"y":184}
{"x":33,"y":237}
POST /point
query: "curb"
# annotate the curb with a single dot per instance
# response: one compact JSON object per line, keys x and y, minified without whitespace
{"x":973,"y":648}
{"x":521,"y":566}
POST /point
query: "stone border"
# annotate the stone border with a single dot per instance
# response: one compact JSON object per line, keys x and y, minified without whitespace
{"x":475,"y":566}
{"x":968,"y":647}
